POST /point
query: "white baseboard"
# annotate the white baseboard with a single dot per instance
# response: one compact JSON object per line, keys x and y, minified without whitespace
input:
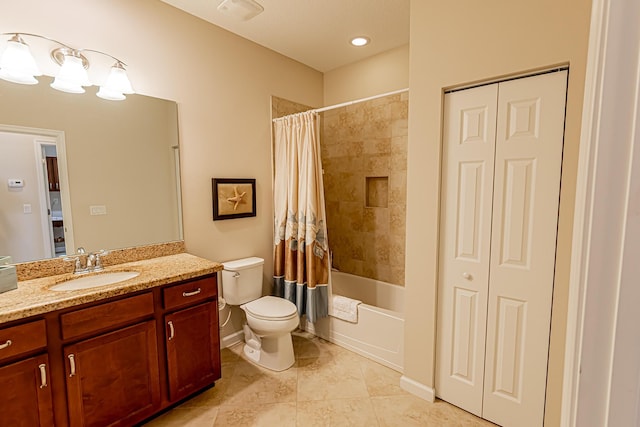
{"x":232,"y":339}
{"x":417,"y":389}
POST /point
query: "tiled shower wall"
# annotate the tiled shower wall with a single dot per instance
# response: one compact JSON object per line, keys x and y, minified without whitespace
{"x":364,"y":157}
{"x":281,"y":107}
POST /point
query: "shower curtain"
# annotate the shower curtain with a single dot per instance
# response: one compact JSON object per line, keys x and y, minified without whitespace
{"x":301,"y":253}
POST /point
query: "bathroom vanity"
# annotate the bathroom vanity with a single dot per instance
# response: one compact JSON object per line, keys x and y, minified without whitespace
{"x":110,"y":355}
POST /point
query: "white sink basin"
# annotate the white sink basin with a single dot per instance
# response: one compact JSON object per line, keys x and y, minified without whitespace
{"x":88,"y":282}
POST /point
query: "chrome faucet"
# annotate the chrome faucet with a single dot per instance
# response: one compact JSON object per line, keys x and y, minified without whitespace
{"x":92,"y":261}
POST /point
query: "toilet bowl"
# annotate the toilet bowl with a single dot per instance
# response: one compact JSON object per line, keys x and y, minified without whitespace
{"x":270,"y":320}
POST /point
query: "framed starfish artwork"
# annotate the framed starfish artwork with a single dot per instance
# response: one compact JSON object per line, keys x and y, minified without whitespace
{"x":233,"y":198}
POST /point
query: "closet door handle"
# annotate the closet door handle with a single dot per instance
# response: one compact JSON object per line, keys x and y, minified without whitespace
{"x":467,"y":276}
{"x":43,"y":375}
{"x":72,"y":365}
{"x":171,"y":330}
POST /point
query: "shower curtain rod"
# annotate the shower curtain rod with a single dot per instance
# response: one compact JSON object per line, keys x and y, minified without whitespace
{"x":345,"y":104}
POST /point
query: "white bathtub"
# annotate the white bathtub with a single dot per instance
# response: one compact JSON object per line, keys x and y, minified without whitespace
{"x":379,"y":333}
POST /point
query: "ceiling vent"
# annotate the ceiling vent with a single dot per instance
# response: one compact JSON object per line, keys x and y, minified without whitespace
{"x":242,"y":10}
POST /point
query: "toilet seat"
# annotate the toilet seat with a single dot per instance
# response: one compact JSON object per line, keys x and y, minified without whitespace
{"x":271,"y":308}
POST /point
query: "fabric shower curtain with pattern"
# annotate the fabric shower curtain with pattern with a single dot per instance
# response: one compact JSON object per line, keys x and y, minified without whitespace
{"x":301,"y":253}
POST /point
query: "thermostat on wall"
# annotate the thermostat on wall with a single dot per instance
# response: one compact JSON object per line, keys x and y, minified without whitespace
{"x":15,"y":182}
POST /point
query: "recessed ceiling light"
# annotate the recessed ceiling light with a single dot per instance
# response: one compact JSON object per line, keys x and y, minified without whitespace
{"x":360,"y":41}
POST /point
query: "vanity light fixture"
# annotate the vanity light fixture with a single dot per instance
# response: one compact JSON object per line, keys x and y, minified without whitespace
{"x":360,"y":41}
{"x":18,"y":65}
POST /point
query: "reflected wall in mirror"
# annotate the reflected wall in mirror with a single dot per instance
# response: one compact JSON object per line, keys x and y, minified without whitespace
{"x":121,"y":183}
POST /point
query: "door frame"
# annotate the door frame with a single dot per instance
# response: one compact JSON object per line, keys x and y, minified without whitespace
{"x":491,"y":81}
{"x":601,"y":384}
{"x":59,"y":137}
{"x":42,"y":172}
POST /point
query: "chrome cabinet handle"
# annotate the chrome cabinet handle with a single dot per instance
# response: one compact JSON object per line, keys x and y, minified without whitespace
{"x":5,"y":345}
{"x":43,"y":375}
{"x":171,"y":330}
{"x":72,"y":365}
{"x":192,"y":293}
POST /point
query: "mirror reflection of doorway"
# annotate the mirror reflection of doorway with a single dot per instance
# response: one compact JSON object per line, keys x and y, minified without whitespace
{"x":53,"y":230}
{"x":35,"y":221}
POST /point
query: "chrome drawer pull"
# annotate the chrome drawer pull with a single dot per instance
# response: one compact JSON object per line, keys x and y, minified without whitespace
{"x":171,"y":330}
{"x":5,"y":345}
{"x":72,"y":365}
{"x":192,"y":293}
{"x":43,"y":375}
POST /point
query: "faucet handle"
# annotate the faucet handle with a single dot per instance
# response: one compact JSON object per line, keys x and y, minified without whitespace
{"x":77,"y":264}
{"x":98,"y":260}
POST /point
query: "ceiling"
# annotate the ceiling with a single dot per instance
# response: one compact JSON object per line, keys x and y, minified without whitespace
{"x":315,"y":32}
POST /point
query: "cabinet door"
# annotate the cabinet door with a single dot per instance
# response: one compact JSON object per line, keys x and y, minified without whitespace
{"x":25,"y":395}
{"x":112,"y":380}
{"x":52,"y":173}
{"x":193,"y":352}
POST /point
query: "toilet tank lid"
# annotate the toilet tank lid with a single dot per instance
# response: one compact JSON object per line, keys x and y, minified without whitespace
{"x":241,"y":264}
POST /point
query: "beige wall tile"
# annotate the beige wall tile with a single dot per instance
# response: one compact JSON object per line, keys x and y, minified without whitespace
{"x":360,"y":141}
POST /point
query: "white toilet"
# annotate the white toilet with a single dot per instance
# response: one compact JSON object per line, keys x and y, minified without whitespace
{"x":270,"y":320}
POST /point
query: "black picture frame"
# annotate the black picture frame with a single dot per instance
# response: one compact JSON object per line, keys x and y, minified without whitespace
{"x":233,"y":198}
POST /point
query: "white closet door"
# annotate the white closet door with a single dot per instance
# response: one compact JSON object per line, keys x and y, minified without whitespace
{"x":528,"y":160}
{"x":467,"y":186}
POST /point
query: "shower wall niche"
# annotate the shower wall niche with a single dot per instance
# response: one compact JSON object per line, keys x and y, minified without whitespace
{"x":364,"y":157}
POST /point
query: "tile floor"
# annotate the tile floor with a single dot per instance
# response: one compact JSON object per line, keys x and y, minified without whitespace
{"x":327,"y":386}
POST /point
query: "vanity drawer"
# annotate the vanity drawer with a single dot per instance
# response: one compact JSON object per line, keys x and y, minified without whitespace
{"x":20,"y":339}
{"x":105,"y":316}
{"x":189,"y":293}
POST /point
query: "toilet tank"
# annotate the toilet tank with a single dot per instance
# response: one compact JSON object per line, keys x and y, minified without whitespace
{"x":242,"y":280}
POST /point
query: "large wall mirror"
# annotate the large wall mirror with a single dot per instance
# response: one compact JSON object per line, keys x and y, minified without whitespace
{"x":116,"y":165}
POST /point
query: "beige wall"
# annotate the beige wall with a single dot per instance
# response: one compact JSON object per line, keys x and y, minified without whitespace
{"x":457,"y":43}
{"x":382,"y":73}
{"x":364,"y":158}
{"x":222,"y":84}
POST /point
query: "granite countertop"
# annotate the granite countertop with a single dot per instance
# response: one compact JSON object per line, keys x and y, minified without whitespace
{"x":33,"y":297}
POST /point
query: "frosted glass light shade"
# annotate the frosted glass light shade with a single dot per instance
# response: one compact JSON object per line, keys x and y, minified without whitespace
{"x":17,"y":64}
{"x":111,"y":95}
{"x":117,"y":84}
{"x":72,"y":76}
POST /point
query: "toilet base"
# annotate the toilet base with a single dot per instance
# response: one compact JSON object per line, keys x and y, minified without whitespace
{"x":275,"y":352}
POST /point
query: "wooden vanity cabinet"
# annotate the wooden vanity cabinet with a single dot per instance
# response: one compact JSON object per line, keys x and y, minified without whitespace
{"x":193,"y":355}
{"x":115,"y":362}
{"x":25,"y":392}
{"x":192,"y":336}
{"x":112,"y":378}
{"x":25,"y":395}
